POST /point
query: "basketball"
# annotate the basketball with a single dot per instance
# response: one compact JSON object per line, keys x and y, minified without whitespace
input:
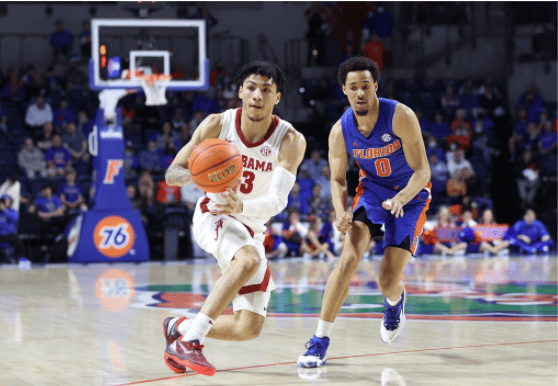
{"x":215,"y":165}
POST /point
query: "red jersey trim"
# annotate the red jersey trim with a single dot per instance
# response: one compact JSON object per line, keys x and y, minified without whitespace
{"x":269,"y":133}
{"x":257,"y":287}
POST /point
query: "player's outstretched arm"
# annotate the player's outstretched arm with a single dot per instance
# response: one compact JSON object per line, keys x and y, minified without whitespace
{"x":338,"y":165}
{"x":292,"y":151}
{"x":178,"y":174}
{"x":406,"y":126}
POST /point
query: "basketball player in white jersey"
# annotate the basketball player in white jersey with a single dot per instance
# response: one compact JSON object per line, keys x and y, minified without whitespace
{"x":230,"y":225}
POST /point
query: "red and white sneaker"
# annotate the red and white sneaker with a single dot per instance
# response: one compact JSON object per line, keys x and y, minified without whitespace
{"x":170,"y":332}
{"x":189,"y":354}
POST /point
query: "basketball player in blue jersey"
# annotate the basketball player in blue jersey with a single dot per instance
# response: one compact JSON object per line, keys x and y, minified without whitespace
{"x":385,"y":139}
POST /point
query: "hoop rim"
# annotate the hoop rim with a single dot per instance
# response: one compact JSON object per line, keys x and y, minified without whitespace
{"x":155,"y":77}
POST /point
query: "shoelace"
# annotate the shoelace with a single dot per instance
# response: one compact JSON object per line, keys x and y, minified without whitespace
{"x":392,"y":317}
{"x":313,"y":347}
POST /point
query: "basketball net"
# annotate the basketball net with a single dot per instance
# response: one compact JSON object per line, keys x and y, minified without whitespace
{"x":154,"y":87}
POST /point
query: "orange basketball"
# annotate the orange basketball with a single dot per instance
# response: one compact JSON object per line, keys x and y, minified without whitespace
{"x":215,"y":165}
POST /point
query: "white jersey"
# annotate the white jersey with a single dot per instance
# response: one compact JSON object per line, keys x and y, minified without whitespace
{"x":259,"y":159}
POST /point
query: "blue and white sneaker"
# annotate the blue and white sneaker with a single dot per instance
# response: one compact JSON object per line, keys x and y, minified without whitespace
{"x":393,"y":320}
{"x":316,"y":354}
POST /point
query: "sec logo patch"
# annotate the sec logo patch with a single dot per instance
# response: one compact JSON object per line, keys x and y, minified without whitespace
{"x":114,"y":236}
{"x":386,"y":137}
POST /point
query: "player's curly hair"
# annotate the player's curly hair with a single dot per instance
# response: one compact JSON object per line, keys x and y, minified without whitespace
{"x":358,"y":63}
{"x":260,"y":67}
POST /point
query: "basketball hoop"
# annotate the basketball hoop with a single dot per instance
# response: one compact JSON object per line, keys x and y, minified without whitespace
{"x":154,"y":87}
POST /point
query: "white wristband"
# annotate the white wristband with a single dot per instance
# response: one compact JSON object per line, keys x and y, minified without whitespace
{"x":276,"y":199}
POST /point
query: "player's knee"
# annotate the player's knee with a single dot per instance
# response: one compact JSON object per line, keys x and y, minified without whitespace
{"x":253,"y":330}
{"x":348,"y":264}
{"x":387,"y":284}
{"x":248,"y":259}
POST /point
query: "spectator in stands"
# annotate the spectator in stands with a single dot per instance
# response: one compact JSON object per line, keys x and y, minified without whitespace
{"x":487,"y":218}
{"x":456,"y":186}
{"x":52,"y":82}
{"x":439,"y":128}
{"x":461,"y":131}
{"x":199,"y":116}
{"x":9,"y":218}
{"x":151,"y":209}
{"x":547,"y":150}
{"x":374,"y":50}
{"x":146,"y":184}
{"x":13,"y":89}
{"x":297,"y":200}
{"x":168,"y":195}
{"x":306,"y":183}
{"x":218,"y":75}
{"x":63,"y":115}
{"x":71,"y":194}
{"x":445,"y":221}
{"x":85,"y":40}
{"x":456,"y":161}
{"x":481,"y":144}
{"x":167,"y":156}
{"x":12,"y":187}
{"x":132,"y":193}
{"x":50,"y":212}
{"x":150,"y":159}
{"x":439,"y":176}
{"x":74,"y":75}
{"x":531,"y":139}
{"x":432,"y":147}
{"x":489,"y":98}
{"x":131,"y":162}
{"x":294,"y":233}
{"x":83,"y":123}
{"x":315,"y":35}
{"x":166,"y":136}
{"x":202,"y":13}
{"x":185,"y":135}
{"x":449,"y":102}
{"x":44,"y":141}
{"x":61,"y":41}
{"x":31,"y":160}
{"x":532,"y":101}
{"x":318,"y":205}
{"x":468,"y":100}
{"x":324,"y":180}
{"x":378,"y":21}
{"x":423,"y":121}
{"x":487,"y":122}
{"x":58,"y":158}
{"x":318,"y":239}
{"x":75,"y":142}
{"x":314,"y":164}
{"x":38,"y":114}
{"x":177,"y":121}
{"x":543,"y":118}
{"x":519,"y":132}
{"x":529,"y":235}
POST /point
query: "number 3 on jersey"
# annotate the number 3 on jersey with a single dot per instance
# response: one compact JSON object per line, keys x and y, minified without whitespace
{"x":248,"y":183}
{"x":383,"y":167}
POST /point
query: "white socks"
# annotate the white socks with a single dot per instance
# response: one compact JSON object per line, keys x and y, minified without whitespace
{"x":393,"y":303}
{"x":198,"y":329}
{"x":324,"y":329}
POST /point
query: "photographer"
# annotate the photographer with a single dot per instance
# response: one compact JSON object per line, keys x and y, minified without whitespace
{"x":8,"y":225}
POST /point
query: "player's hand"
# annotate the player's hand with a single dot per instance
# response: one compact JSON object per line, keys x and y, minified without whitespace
{"x":394,"y":205}
{"x":526,"y":239}
{"x":343,"y":221}
{"x":233,"y":205}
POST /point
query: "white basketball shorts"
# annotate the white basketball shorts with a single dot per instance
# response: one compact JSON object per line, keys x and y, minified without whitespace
{"x":222,"y":236}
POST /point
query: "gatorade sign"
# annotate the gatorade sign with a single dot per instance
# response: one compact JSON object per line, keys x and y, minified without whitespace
{"x":114,"y":236}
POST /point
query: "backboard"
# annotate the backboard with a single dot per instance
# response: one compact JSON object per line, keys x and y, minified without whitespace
{"x":122,"y":49}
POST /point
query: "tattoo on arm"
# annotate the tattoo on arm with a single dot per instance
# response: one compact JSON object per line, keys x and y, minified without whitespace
{"x":177,"y":175}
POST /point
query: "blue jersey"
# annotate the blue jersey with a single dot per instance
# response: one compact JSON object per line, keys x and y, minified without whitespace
{"x":71,"y":192}
{"x":379,"y":156}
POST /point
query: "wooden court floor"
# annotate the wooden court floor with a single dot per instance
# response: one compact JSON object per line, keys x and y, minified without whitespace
{"x":471,"y":321}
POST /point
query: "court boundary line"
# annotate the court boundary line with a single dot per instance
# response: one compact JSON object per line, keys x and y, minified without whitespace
{"x":343,"y":357}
